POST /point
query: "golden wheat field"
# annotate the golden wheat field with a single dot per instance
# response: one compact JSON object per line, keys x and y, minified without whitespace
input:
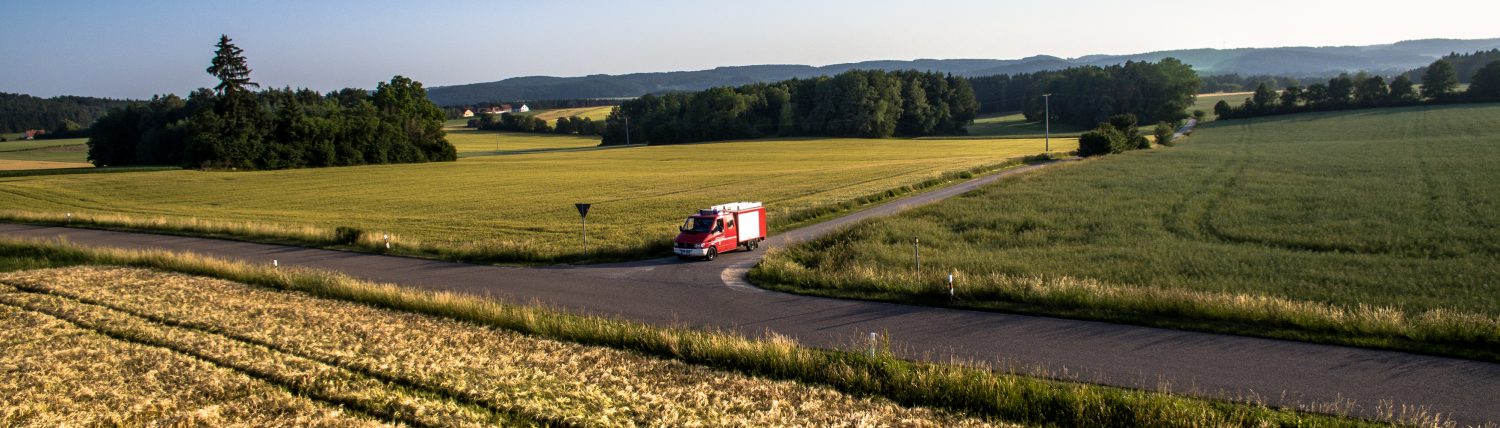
{"x":592,"y":113}
{"x":517,"y":207}
{"x":120,"y":331}
{"x":59,"y":374}
{"x":474,"y":142}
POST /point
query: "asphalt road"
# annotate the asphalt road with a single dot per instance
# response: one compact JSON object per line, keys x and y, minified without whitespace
{"x":715,"y":295}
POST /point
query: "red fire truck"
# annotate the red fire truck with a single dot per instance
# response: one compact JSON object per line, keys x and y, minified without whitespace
{"x":721,"y":228}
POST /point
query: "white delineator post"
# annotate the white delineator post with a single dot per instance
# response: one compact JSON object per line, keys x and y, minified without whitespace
{"x":950,"y":285}
{"x":387,"y":237}
{"x":874,"y":339}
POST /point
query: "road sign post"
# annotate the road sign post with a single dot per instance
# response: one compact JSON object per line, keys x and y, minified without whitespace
{"x":583,"y":215}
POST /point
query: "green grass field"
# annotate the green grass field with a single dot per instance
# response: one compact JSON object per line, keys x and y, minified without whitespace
{"x":14,"y":146}
{"x":44,"y":154}
{"x":1342,"y":213}
{"x":74,"y":154}
{"x":520,"y":207}
{"x":1014,"y":125}
{"x":1206,"y":102}
{"x":474,"y":142}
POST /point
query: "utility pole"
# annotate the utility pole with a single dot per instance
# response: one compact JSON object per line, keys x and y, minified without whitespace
{"x":1047,"y":118}
{"x":627,"y":130}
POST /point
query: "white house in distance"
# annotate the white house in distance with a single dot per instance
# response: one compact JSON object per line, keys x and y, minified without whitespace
{"x":468,"y":113}
{"x":502,"y":109}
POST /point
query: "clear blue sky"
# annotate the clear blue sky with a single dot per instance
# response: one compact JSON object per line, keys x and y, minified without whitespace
{"x":138,"y":48}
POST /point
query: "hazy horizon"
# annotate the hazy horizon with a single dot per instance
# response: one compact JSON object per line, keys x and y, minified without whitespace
{"x":106,"y":49}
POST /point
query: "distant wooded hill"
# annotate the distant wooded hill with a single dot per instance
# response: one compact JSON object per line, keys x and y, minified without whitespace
{"x":1464,"y":64}
{"x":19,"y":112}
{"x":1287,"y":61}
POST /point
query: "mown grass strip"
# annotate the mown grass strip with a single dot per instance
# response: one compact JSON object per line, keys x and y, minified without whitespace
{"x":92,"y":170}
{"x":963,"y":387}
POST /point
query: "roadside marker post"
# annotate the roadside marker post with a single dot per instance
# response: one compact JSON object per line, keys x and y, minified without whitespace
{"x":583,"y":215}
{"x":387,"y":237}
{"x":70,"y":218}
{"x":275,"y":263}
{"x":874,"y":339}
{"x":950,"y":286}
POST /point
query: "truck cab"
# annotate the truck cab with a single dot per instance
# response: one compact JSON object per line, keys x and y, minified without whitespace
{"x":720,"y":229}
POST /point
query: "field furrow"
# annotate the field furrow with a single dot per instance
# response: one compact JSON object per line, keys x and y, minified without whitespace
{"x":425,"y":370}
{"x":60,"y":372}
{"x":333,"y":385}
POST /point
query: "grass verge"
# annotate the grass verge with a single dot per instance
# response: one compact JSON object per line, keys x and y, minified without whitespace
{"x":1437,"y":331}
{"x":963,"y":387}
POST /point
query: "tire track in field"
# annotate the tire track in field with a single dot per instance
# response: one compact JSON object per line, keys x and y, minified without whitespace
{"x":1445,"y":188}
{"x":115,"y":335}
{"x":1434,"y":194}
{"x":1188,"y":221}
{"x":315,"y":375}
{"x":421,"y":388}
{"x":1187,"y":217}
{"x":80,"y":204}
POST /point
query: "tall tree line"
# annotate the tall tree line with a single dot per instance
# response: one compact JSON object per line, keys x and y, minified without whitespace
{"x":232,"y":126}
{"x":857,"y":103}
{"x":514,"y":122}
{"x":1006,"y":93}
{"x":1088,"y":95}
{"x":1465,"y":65}
{"x":20,"y":112}
{"x":1238,"y":83}
{"x":1363,"y":90}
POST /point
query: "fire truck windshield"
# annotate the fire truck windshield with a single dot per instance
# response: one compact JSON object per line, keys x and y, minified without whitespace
{"x":698,"y":225}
